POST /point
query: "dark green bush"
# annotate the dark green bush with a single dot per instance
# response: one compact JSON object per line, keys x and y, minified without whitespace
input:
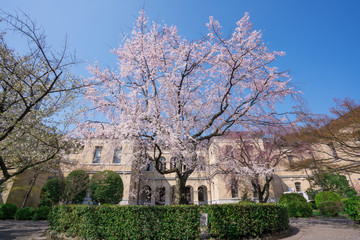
{"x":106,"y":187}
{"x":42,"y":213}
{"x":76,"y":185}
{"x":126,"y":222}
{"x":7,"y":211}
{"x":237,"y":221}
{"x":326,"y":196}
{"x":26,"y":213}
{"x":52,"y":192}
{"x":296,"y":205}
{"x":329,"y":208}
{"x":352,"y":208}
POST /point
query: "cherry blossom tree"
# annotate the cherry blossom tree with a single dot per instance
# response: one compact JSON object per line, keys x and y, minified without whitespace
{"x":169,"y":93}
{"x":253,"y":157}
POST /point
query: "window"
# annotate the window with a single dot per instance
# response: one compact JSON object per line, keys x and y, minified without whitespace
{"x":201,"y":164}
{"x":298,"y":187}
{"x":162,"y":163}
{"x":173,"y":161}
{"x":117,"y":155}
{"x":150,"y":165}
{"x":160,"y":195}
{"x":234,"y":188}
{"x":146,"y":195}
{"x":202,"y":195}
{"x":97,"y":155}
{"x":333,"y":151}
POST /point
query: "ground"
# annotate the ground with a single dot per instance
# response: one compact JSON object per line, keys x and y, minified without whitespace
{"x":27,"y":230}
{"x":323,"y":228}
{"x":301,"y":229}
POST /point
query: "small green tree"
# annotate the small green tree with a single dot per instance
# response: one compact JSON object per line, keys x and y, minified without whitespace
{"x":333,"y":182}
{"x":106,"y":187}
{"x":52,"y":192}
{"x":76,"y":185}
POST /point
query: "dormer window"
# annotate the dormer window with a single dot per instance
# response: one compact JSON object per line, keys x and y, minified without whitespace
{"x":97,"y":155}
{"x":117,"y":155}
{"x":291,"y":160}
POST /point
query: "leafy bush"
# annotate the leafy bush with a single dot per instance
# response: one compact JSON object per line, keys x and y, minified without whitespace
{"x":296,"y":205}
{"x":76,"y":185}
{"x":42,"y":213}
{"x":126,"y":222}
{"x":352,"y":208}
{"x":237,"y":221}
{"x":329,"y":208}
{"x":52,"y":192}
{"x":326,"y":196}
{"x":106,"y":187}
{"x":334,"y":182}
{"x":25,"y":213}
{"x":7,"y":211}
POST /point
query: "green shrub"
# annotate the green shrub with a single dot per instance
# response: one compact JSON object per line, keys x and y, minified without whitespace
{"x":76,"y":185}
{"x":7,"y":211}
{"x":296,"y":205}
{"x":106,"y":187}
{"x":326,"y":196}
{"x":330,"y":209}
{"x":26,"y":213}
{"x":237,"y":221}
{"x":352,"y":208}
{"x":52,"y":192}
{"x":42,"y":213}
{"x":126,"y":222}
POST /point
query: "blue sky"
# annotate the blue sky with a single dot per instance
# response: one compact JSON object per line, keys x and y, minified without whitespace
{"x":321,"y":38}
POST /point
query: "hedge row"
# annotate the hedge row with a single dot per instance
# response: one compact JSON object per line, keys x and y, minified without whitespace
{"x":126,"y":222}
{"x":237,"y":221}
{"x":226,"y":221}
{"x":10,"y":211}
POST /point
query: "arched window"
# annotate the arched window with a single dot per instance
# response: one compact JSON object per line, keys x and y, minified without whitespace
{"x":173,"y":161}
{"x":146,"y":195}
{"x":160,"y":195}
{"x":298,"y":186}
{"x":202,"y":195}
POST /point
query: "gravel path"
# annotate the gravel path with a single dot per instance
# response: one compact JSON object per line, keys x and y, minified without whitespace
{"x":28,"y":230}
{"x":323,"y":229}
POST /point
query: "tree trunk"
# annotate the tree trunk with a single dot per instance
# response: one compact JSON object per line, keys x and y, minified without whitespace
{"x":180,"y":189}
{"x":32,"y":184}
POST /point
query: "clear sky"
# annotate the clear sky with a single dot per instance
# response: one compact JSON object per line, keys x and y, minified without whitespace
{"x":321,"y":38}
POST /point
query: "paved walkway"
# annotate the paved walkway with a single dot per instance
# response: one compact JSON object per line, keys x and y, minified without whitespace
{"x":323,"y":229}
{"x":27,"y":230}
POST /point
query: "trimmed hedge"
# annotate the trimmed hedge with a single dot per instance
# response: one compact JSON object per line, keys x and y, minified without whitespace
{"x":25,"y":213}
{"x":237,"y":221}
{"x":106,"y":187}
{"x":126,"y":222}
{"x":326,"y":196}
{"x":352,"y":208}
{"x":7,"y":211}
{"x":42,"y":213}
{"x":296,"y":204}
